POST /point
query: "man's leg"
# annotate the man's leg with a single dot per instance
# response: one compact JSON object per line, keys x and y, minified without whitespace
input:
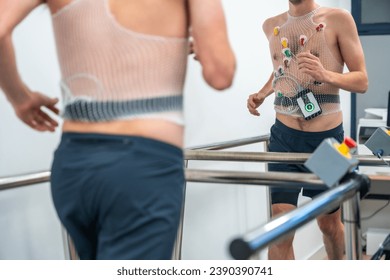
{"x":333,"y":234}
{"x":283,"y":249}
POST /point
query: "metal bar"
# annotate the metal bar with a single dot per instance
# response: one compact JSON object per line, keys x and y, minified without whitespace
{"x":232,"y":177}
{"x":70,"y":252}
{"x":352,"y":228}
{"x":177,"y":250}
{"x":24,"y":180}
{"x":285,"y":179}
{"x":251,"y":243}
{"x":373,"y":160}
{"x":65,"y":243}
{"x":206,"y":176}
{"x":196,"y":175}
{"x":179,"y":238}
{"x":292,"y":158}
{"x":246,"y":156}
{"x":231,"y":143}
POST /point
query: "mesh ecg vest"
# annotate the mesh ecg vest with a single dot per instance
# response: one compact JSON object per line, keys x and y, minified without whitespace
{"x":110,"y":72}
{"x":294,"y":91}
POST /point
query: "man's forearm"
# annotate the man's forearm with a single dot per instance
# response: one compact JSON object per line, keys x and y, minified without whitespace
{"x":267,"y":89}
{"x":10,"y":81}
{"x":353,"y":81}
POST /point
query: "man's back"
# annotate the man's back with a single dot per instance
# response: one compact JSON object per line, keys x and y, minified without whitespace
{"x":165,"y":18}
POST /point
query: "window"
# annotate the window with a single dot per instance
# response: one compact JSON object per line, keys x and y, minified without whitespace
{"x":372,"y":16}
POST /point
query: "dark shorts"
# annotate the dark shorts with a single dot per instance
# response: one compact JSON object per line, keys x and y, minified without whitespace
{"x":286,"y":139}
{"x":119,"y":197}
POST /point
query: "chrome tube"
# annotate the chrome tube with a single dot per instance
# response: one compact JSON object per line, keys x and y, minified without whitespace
{"x":268,"y":196}
{"x":247,"y":156}
{"x":251,"y":243}
{"x":231,"y":143}
{"x":291,"y":158}
{"x":373,"y":160}
{"x":70,"y":252}
{"x":285,"y":179}
{"x":179,"y":238}
{"x":177,"y":250}
{"x":352,"y":228}
{"x":24,"y":180}
{"x":37,"y":178}
{"x":65,"y":243}
{"x":42,"y":177}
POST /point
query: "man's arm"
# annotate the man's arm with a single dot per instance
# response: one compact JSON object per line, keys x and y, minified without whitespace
{"x":27,"y":104}
{"x":256,"y":99}
{"x":356,"y":79}
{"x":212,"y":47}
{"x":352,"y":52}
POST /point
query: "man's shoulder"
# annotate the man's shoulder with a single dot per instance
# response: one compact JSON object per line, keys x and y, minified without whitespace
{"x":331,"y":13}
{"x":274,"y":21}
{"x":280,"y":18}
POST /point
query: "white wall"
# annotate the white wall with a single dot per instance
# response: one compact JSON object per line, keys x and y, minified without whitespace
{"x":214,"y":213}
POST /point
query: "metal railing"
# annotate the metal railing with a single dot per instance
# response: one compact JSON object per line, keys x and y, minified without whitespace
{"x":208,"y":152}
{"x":212,"y":153}
{"x":24,"y":180}
{"x":231,"y":144}
{"x":34,"y":179}
{"x":44,"y":177}
{"x":285,"y":179}
{"x":244,"y":247}
{"x":272,"y":157}
{"x":208,"y":147}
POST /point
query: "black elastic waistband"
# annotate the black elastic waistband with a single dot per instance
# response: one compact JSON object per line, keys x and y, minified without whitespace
{"x":100,"y":138}
{"x":320,"y":134}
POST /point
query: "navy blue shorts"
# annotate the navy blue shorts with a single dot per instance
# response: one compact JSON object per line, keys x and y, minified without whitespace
{"x":286,"y":139}
{"x":119,"y":197}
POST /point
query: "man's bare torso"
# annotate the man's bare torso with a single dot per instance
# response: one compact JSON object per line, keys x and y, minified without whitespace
{"x":324,"y":122}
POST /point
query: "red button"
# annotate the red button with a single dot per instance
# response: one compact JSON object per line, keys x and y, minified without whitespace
{"x":350,"y":142}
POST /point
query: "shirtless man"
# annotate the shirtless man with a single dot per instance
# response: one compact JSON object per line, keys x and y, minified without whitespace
{"x":309,"y":46}
{"x":117,"y":175}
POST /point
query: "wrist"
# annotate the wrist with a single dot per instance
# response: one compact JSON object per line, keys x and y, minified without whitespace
{"x":264,"y":94}
{"x":328,"y":77}
{"x":261,"y":94}
{"x":18,"y":95}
